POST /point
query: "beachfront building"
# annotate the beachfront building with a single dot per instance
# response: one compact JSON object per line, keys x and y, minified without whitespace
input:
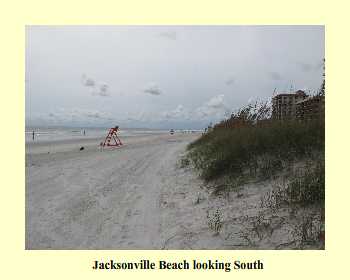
{"x":284,"y":105}
{"x":310,"y":108}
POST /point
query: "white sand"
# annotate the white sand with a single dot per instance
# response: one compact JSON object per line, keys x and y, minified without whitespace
{"x":137,"y":197}
{"x":98,"y":200}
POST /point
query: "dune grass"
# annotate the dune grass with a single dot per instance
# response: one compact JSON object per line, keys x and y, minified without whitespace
{"x":243,"y":148}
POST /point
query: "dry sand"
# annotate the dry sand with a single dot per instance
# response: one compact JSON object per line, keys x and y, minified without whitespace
{"x":137,"y":197}
{"x":94,"y":199}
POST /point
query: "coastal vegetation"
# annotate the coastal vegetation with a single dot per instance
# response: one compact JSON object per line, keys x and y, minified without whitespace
{"x":252,"y":147}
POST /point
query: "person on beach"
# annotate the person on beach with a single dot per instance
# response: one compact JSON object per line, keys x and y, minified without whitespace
{"x":84,"y":132}
{"x":33,"y":135}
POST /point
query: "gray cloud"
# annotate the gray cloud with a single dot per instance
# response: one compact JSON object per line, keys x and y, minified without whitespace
{"x":306,"y":67}
{"x":153,"y":89}
{"x":95,"y":115}
{"x":172,"y":35}
{"x":275,"y":76}
{"x":99,"y":89}
{"x":88,"y":82}
{"x":102,"y":90}
{"x":230,"y":81}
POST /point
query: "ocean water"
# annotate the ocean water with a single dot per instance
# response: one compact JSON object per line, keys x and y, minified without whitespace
{"x":65,"y":133}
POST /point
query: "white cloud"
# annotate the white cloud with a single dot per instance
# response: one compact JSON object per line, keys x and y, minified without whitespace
{"x":152,"y":89}
{"x":216,"y":101}
{"x":178,"y":113}
{"x":214,"y":108}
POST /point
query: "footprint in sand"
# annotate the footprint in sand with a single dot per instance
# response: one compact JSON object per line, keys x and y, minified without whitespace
{"x":123,"y":237}
{"x":125,"y":228}
{"x":128,"y":213}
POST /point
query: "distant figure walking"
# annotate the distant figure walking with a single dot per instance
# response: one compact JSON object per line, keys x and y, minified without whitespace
{"x":33,"y":135}
{"x":84,"y":132}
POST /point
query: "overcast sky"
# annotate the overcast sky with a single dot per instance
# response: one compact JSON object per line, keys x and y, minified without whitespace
{"x":163,"y":76}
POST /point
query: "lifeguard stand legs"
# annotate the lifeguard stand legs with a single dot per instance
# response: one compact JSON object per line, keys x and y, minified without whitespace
{"x":112,"y":139}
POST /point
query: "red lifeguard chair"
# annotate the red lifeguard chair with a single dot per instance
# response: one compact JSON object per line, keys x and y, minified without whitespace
{"x":112,"y":139}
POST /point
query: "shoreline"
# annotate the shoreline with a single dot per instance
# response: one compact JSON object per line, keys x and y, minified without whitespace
{"x":74,"y":144}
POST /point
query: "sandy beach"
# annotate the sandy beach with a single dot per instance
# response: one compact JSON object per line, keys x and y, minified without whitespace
{"x":138,"y":197}
{"x":95,"y":199}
